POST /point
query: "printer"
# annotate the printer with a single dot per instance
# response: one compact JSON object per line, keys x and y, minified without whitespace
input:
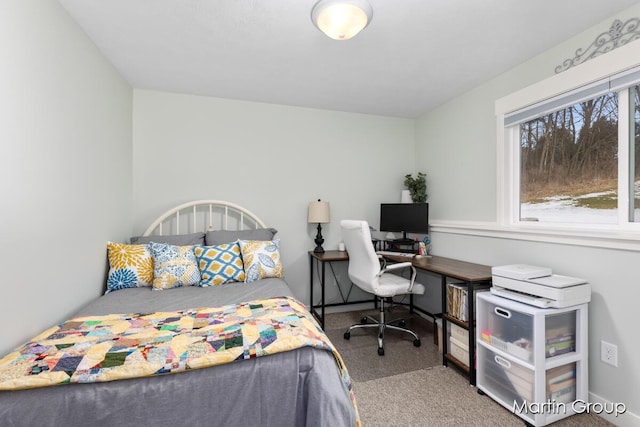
{"x":538,"y":286}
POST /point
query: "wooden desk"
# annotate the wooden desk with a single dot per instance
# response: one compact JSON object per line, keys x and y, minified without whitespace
{"x":470,"y":274}
{"x":473,"y":276}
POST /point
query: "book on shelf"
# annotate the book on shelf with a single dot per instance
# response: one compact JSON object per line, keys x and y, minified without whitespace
{"x":457,"y":301}
{"x":457,"y":297}
{"x":558,"y":346}
{"x":560,"y":374}
{"x":562,"y":338}
{"x":562,"y":392}
{"x":559,"y":332}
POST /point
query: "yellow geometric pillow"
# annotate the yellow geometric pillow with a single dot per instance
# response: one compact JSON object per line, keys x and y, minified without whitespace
{"x":130,"y":266}
{"x":219,"y":264}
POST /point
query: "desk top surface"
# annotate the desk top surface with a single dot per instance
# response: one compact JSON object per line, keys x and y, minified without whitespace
{"x":330,"y":255}
{"x":462,"y":270}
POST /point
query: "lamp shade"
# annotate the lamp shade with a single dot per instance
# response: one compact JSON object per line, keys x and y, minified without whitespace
{"x":341,"y":19}
{"x":318,"y":213}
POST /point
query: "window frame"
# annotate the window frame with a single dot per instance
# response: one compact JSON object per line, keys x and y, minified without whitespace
{"x":625,"y":234}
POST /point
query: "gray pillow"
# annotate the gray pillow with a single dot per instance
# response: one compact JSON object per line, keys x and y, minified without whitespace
{"x":219,"y":237}
{"x":178,"y":239}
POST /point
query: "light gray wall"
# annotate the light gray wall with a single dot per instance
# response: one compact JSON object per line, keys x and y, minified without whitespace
{"x":270,"y":159}
{"x":65,"y":168}
{"x":456,"y":146}
{"x":67,"y":180}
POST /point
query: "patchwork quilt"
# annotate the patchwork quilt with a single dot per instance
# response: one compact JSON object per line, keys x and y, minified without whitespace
{"x":105,"y":348}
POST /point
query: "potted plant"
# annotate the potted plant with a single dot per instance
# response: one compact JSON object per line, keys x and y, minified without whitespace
{"x":417,"y":187}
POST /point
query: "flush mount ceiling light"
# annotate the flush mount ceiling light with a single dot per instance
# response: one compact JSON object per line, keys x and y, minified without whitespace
{"x":341,"y":19}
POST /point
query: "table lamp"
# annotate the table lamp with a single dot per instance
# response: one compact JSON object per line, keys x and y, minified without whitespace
{"x":318,"y":214}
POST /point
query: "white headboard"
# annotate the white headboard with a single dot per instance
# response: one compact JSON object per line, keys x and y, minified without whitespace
{"x":203,"y":215}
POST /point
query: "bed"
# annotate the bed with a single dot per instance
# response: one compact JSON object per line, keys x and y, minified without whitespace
{"x":291,"y":386}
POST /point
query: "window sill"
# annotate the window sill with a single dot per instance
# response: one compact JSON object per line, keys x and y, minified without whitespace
{"x":613,"y":239}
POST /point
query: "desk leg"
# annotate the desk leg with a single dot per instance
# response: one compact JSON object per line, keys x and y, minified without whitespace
{"x":311,"y":283}
{"x":472,"y":334}
{"x":322,"y":296}
{"x":312,"y":307}
{"x":444,"y":321}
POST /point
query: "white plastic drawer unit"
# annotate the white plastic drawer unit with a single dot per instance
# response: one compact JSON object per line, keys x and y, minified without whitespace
{"x":508,"y":380}
{"x":506,"y":329}
{"x":528,"y":355}
{"x":506,"y":326}
{"x":512,"y":383}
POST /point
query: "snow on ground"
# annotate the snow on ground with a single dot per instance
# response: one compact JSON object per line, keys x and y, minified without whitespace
{"x":563,"y":209}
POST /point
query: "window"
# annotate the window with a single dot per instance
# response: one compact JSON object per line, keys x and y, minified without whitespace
{"x":634,"y":161}
{"x":568,"y":163}
{"x":570,"y":151}
{"x":588,"y":100}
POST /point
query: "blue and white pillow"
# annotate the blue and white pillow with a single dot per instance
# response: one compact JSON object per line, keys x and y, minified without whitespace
{"x":219,"y":264}
{"x":261,"y":259}
{"x":174,"y":266}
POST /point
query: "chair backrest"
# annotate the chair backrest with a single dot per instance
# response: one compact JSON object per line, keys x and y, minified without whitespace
{"x":364,"y":263}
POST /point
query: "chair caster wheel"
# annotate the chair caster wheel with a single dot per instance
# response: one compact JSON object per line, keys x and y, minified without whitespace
{"x":380,"y":351}
{"x":480,"y":392}
{"x":347,"y":335}
{"x":402,"y":323}
{"x":416,"y":343}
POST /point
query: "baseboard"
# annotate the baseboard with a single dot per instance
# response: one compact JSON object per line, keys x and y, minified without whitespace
{"x":607,"y":410}
{"x":366,"y":306}
{"x":350,"y":307}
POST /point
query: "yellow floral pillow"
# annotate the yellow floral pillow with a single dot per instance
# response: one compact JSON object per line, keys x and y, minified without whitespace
{"x":261,"y":259}
{"x":130,"y":266}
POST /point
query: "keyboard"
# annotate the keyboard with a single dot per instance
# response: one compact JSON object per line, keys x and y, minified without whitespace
{"x":398,"y":254}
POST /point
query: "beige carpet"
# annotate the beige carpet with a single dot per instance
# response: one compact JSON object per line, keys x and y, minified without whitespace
{"x":438,"y":396}
{"x":408,"y":386}
{"x":360,"y":352}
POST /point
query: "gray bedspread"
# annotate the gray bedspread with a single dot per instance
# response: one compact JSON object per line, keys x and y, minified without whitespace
{"x":296,"y":388}
{"x":138,"y":300}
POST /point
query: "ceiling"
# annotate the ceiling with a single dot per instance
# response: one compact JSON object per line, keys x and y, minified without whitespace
{"x":413,"y":56}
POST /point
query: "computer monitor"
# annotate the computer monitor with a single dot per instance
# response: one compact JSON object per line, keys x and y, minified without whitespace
{"x":404,"y":218}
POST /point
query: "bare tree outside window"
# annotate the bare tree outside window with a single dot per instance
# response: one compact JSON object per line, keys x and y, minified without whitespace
{"x":569,"y":163}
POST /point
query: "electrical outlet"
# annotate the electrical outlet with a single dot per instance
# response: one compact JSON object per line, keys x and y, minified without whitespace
{"x":609,"y":353}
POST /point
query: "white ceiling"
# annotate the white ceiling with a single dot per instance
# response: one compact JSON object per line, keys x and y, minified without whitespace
{"x":413,"y":56}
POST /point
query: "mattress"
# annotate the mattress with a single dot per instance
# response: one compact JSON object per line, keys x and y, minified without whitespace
{"x":293,"y":388}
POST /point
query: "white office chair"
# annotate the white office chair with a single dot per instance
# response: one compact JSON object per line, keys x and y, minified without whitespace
{"x":366,"y":272}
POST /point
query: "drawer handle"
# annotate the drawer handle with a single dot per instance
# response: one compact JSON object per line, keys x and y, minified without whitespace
{"x":502,"y":312}
{"x":502,"y":361}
